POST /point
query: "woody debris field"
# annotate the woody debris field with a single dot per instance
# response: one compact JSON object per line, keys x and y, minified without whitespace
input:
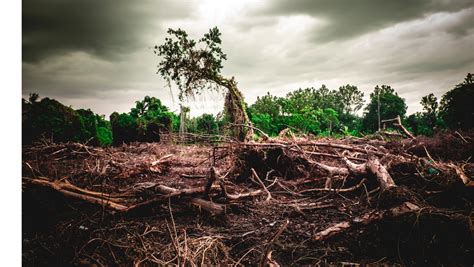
{"x":283,"y":201}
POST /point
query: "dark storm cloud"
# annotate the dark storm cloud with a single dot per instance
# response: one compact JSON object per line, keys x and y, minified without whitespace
{"x":105,"y":28}
{"x":96,"y":53}
{"x":345,"y":19}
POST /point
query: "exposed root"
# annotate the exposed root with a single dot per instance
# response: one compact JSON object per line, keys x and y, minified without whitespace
{"x":269,"y":195}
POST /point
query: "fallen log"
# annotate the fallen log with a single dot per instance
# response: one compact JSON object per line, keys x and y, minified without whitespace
{"x":332,"y":170}
{"x":322,"y":144}
{"x":383,"y":177}
{"x":356,"y":169}
{"x":65,"y":185}
{"x":372,"y":166}
{"x":376,"y":215}
{"x":169,"y":192}
{"x":87,"y":196}
{"x":107,"y":201}
{"x":155,"y":165}
{"x":321,"y":154}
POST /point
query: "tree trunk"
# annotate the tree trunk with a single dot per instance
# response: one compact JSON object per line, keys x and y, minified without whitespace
{"x":235,"y":109}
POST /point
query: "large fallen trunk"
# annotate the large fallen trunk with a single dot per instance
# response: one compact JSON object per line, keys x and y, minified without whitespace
{"x":371,"y":167}
{"x":112,"y":201}
{"x":383,"y":177}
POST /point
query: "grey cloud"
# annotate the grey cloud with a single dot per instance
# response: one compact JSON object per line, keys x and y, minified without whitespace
{"x":105,"y":28}
{"x":347,"y":19}
{"x":94,"y":54}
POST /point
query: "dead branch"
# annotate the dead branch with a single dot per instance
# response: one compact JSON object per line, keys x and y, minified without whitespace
{"x":230,"y":197}
{"x":372,"y":165}
{"x":59,"y":187}
{"x":309,"y":143}
{"x":267,"y":252}
{"x":65,"y":185}
{"x":356,"y":169}
{"x":462,"y":137}
{"x":108,"y":201}
{"x":338,"y":228}
{"x":322,"y":154}
{"x":399,"y":125}
{"x":154,"y":166}
{"x":466,"y":180}
{"x":269,"y":195}
{"x":212,"y":178}
{"x":265,"y":136}
{"x":383,"y":177}
{"x":332,"y":170}
{"x":209,"y":206}
{"x":338,"y":190}
{"x":193,"y":176}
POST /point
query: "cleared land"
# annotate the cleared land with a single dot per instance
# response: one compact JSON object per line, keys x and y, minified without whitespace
{"x":286,"y":201}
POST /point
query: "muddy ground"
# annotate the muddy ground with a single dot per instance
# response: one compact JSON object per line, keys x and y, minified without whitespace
{"x":290,"y":223}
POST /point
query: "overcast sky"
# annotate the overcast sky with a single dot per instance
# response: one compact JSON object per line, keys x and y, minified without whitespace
{"x":98,"y":53}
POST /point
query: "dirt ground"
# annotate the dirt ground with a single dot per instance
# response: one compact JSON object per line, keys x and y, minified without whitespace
{"x":310,"y":215}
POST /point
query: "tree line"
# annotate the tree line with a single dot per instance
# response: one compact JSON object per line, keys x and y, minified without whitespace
{"x":316,"y":111}
{"x":334,"y":112}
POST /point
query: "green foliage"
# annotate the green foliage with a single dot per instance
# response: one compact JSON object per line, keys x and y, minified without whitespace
{"x":309,"y":110}
{"x":192,"y":67}
{"x":266,"y":114}
{"x":312,"y":98}
{"x":89,"y":123}
{"x":267,"y":104}
{"x":151,"y":117}
{"x":430,"y":108}
{"x":144,"y":122}
{"x":419,"y":125}
{"x":265,"y":122}
{"x":425,"y":123}
{"x":391,"y":106}
{"x":104,"y":136}
{"x":351,"y":98}
{"x":124,"y":128}
{"x":322,"y":112}
{"x":457,"y":108}
{"x":351,"y":122}
{"x":196,"y":66}
{"x":50,"y":119}
{"x":207,"y":123}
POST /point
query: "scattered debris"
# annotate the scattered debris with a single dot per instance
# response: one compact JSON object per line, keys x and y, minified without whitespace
{"x":354,"y":200}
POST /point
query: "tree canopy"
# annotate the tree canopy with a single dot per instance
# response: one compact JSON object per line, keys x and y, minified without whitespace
{"x":195,"y":66}
{"x":50,"y":119}
{"x":391,"y":106}
{"x":457,"y":107}
{"x":306,"y":110}
{"x":192,"y":65}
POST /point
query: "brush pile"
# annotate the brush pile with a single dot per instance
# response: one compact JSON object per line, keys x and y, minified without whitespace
{"x":287,"y":201}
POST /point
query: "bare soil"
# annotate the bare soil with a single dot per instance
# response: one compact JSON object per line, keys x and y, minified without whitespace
{"x":59,"y":229}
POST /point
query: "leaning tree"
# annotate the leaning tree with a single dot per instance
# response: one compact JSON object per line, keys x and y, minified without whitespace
{"x":196,"y":66}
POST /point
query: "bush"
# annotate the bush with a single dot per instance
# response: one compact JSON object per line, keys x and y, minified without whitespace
{"x":50,"y":119}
